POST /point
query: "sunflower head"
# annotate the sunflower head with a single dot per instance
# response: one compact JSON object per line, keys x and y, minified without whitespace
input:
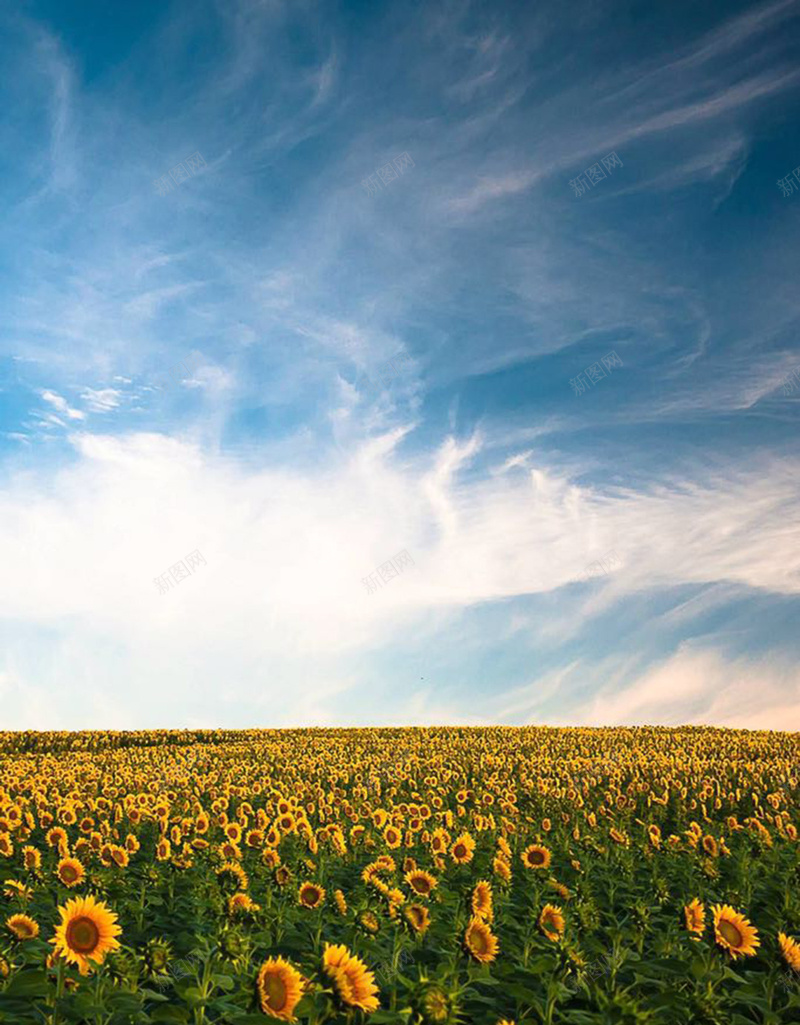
{"x":352,"y":981}
{"x":463,"y":849}
{"x":480,"y":941}
{"x":551,"y":922}
{"x":280,"y":988}
{"x":369,"y":921}
{"x":790,"y":949}
{"x":418,"y":917}
{"x":482,"y":900}
{"x":70,"y":871}
{"x":435,"y":1006}
{"x":157,"y":956}
{"x":536,"y":856}
{"x":87,"y":932}
{"x":23,"y":927}
{"x":695,"y":916}
{"x":421,"y":882}
{"x":733,"y":932}
{"x":310,"y":895}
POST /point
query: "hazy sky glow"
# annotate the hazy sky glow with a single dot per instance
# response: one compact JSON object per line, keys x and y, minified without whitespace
{"x":287,"y":458}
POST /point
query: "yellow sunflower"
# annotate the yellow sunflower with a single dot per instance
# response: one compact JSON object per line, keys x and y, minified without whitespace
{"x":87,"y":932}
{"x":480,"y":941}
{"x":70,"y":871}
{"x":241,"y":903}
{"x":790,"y":949}
{"x":341,"y":902}
{"x":536,"y":856}
{"x":482,"y":900}
{"x":695,"y":915}
{"x":733,"y":932}
{"x":551,"y":922}
{"x":280,"y":988}
{"x":463,"y":849}
{"x":501,"y":868}
{"x":352,"y":980}
{"x":24,"y":928}
{"x":418,"y":917}
{"x":32,"y":858}
{"x":421,"y":882}
{"x":310,"y":895}
{"x":710,"y":846}
{"x":13,"y":888}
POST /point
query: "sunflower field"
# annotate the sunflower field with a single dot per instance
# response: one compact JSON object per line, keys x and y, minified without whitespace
{"x":474,"y":875}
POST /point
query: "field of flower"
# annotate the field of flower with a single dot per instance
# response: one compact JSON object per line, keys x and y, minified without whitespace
{"x":473,"y":875}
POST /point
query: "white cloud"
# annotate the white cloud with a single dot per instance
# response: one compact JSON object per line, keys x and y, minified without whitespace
{"x":61,"y":404}
{"x":280,"y":601}
{"x":101,"y":400}
{"x":703,"y":686}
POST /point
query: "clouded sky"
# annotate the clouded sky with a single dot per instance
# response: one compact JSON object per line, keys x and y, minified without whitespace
{"x":370,"y":363}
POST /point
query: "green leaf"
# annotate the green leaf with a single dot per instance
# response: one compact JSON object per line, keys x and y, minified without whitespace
{"x":28,"y":984}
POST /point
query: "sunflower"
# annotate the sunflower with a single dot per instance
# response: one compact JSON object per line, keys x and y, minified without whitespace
{"x":421,"y":882}
{"x":280,"y":988}
{"x":32,"y":858}
{"x":87,"y":932}
{"x":463,"y":849}
{"x":157,"y":957}
{"x":231,"y":871}
{"x":551,"y":922}
{"x":341,"y":902}
{"x":24,"y":928}
{"x":270,"y":857}
{"x":710,"y":846}
{"x":119,"y":856}
{"x":482,"y":900}
{"x":695,"y":915}
{"x":367,"y":920}
{"x":353,"y":982}
{"x":790,"y":949}
{"x":56,"y":836}
{"x":501,"y":868}
{"x":310,"y":895}
{"x":536,"y":856}
{"x":240,"y":903}
{"x":13,"y":888}
{"x":70,"y":871}
{"x":418,"y":917}
{"x":563,"y":891}
{"x":392,"y":837}
{"x":164,"y":849}
{"x":480,"y":941}
{"x":435,"y":1005}
{"x":733,"y":932}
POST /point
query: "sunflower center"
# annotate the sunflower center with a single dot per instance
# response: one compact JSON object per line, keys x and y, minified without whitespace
{"x":82,"y":935}
{"x":730,"y":933}
{"x":68,"y":873}
{"x":276,"y":992}
{"x":460,"y":850}
{"x":479,"y":941}
{"x":536,"y":857}
{"x":421,"y":885}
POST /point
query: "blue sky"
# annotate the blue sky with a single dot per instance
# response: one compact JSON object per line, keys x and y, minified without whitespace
{"x":287,"y":455}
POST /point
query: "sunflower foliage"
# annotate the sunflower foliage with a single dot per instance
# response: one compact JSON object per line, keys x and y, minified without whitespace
{"x":467,"y":876}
